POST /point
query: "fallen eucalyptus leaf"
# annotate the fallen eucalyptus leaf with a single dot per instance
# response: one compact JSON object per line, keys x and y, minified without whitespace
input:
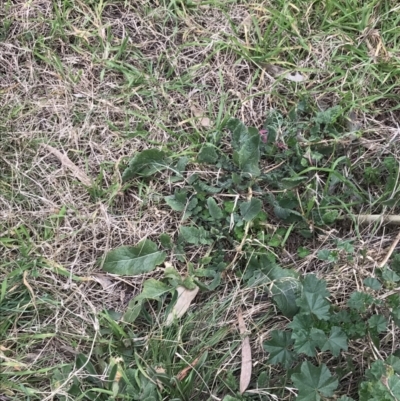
{"x":245,"y":373}
{"x":185,"y":298}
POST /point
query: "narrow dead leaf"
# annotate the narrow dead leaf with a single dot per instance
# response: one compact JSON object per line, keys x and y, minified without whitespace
{"x":274,"y":70}
{"x":294,"y":77}
{"x":185,"y":298}
{"x":370,"y":145}
{"x":245,"y":374}
{"x":376,"y":47}
{"x":199,"y":113}
{"x":66,"y":162}
{"x":28,"y":286}
{"x":247,"y":21}
{"x":184,"y":372}
{"x":352,"y":123}
{"x":277,"y":71}
{"x":14,"y":364}
{"x":103,"y":280}
{"x":205,"y":122}
{"x":159,"y":369}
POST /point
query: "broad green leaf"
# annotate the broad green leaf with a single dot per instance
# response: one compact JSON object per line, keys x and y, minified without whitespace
{"x":382,"y":383}
{"x":301,"y":322}
{"x":336,"y":341}
{"x":395,"y":314}
{"x":282,"y":284}
{"x":303,"y":343}
{"x":112,"y":372}
{"x":152,"y":289}
{"x":201,"y":186}
{"x":239,"y":132}
{"x":145,"y":163}
{"x":246,"y":145}
{"x":177,"y":201}
{"x":318,"y":337}
{"x":302,"y":252}
{"x":315,"y":304}
{"x":181,"y":164}
{"x":246,"y":158}
{"x":346,"y":246}
{"x":132,"y":311}
{"x":230,"y":398}
{"x":326,"y":254}
{"x":279,"y":348}
{"x":377,"y":370}
{"x":214,"y":209}
{"x":173,"y":276}
{"x":281,"y":212}
{"x":195,"y":236}
{"x":372,"y":283}
{"x":376,"y":391}
{"x":249,"y":210}
{"x":394,"y":362}
{"x":360,"y":301}
{"x":330,"y":216}
{"x":263,"y":380}
{"x":390,"y":275}
{"x":313,"y":285}
{"x":209,"y":273}
{"x":148,"y":390}
{"x":134,"y":260}
{"x":306,"y":341}
{"x":82,"y":361}
{"x":328,"y":116}
{"x":378,"y":322}
{"x":393,"y":301}
{"x":284,"y":293}
{"x":192,"y":203}
{"x":395,"y":262}
{"x":394,"y":386}
{"x":292,"y":182}
{"x":314,"y":382}
{"x":191,"y":206}
{"x":207,"y":154}
{"x":166,"y":241}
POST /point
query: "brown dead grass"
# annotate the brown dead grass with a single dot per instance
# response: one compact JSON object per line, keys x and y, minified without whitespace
{"x":57,"y":88}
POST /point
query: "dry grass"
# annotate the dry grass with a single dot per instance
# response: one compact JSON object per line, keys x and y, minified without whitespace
{"x":100,"y":81}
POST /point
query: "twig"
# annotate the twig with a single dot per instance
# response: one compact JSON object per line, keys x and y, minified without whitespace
{"x":373,"y":218}
{"x":390,"y":251}
{"x":66,"y":162}
{"x":246,"y":231}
